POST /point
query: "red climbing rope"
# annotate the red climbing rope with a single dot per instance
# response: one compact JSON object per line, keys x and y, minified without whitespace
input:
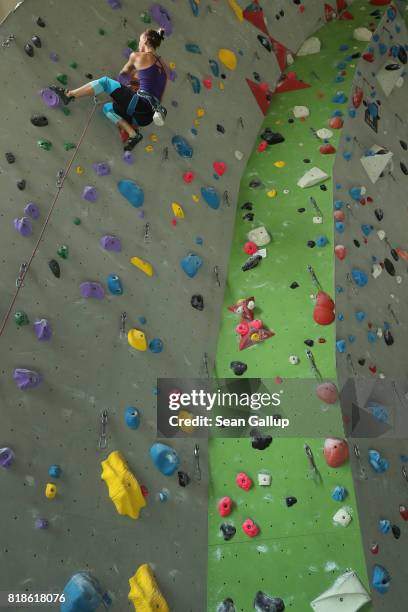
{"x":26,"y":268}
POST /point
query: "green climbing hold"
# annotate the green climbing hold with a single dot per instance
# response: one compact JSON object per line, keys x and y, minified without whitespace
{"x":73,"y":65}
{"x":145,"y":17}
{"x":66,"y":111}
{"x":62,"y":78}
{"x":101,"y":31}
{"x":63,"y":251}
{"x":133,"y":44}
{"x":76,"y":221}
{"x":44,"y":144}
{"x":21,"y":318}
{"x":69,"y":145}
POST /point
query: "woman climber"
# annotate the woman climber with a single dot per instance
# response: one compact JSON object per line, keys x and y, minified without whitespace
{"x":130,"y":110}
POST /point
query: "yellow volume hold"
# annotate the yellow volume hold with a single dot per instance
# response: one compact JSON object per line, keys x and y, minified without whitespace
{"x":123,"y":488}
{"x":144,"y":266}
{"x":145,"y":593}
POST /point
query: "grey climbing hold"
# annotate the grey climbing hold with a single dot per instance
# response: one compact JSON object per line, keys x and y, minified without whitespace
{"x":226,"y":606}
{"x":29,"y":49}
{"x":91,"y":289}
{"x":40,"y":22}
{"x":21,"y":184}
{"x":183,"y":148}
{"x":389,"y":266}
{"x":260,"y":441}
{"x":26,"y":379}
{"x":42,"y":329}
{"x":251,"y":262}
{"x":183,"y":479}
{"x":36,"y":40}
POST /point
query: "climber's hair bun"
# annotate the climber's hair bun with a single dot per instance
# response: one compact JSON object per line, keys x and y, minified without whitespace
{"x":154,"y":37}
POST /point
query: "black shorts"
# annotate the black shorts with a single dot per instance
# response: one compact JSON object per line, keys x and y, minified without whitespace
{"x":143,"y":114}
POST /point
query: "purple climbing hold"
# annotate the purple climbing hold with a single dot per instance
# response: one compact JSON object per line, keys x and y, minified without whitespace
{"x":54,"y":57}
{"x":172,"y":75}
{"x":6,"y":457}
{"x":128,"y":157}
{"x":50,"y":98}
{"x":23,"y":226}
{"x":111,"y":243}
{"x":90,"y":193}
{"x":26,"y":379}
{"x":92,"y":290}
{"x":32,"y":210}
{"x":141,"y":214}
{"x":160,"y":15}
{"x":41,"y":523}
{"x":101,"y":169}
{"x":42,"y":329}
{"x":115,"y":4}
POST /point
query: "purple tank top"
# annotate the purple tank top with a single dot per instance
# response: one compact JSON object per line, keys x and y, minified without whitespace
{"x":153,"y":80}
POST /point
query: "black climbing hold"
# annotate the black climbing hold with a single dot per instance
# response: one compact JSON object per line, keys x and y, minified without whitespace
{"x":238,"y":367}
{"x":226,"y":606}
{"x":323,"y":187}
{"x":309,"y":342}
{"x":311,"y":244}
{"x":402,"y":55}
{"x":249,"y":216}
{"x":265,"y":42}
{"x":40,"y":22}
{"x":228,"y":531}
{"x":404,"y":145}
{"x":291,"y":501}
{"x":379,"y":214}
{"x":220,"y":128}
{"x":294,"y":285}
{"x":36,"y":40}
{"x":291,"y":120}
{"x":256,"y":76}
{"x":388,"y":338}
{"x":394,"y":255}
{"x":21,"y":185}
{"x":391,"y":67}
{"x":301,"y":210}
{"x":197,"y":302}
{"x":255,"y":183}
{"x":403,"y":167}
{"x":55,"y":268}
{"x":10,"y":158}
{"x":265,"y":603}
{"x":247,"y":206}
{"x":396,"y":532}
{"x":376,"y":13}
{"x":251,"y":262}
{"x":297,"y":2}
{"x":361,"y":362}
{"x":29,"y":49}
{"x":306,"y":160}
{"x":39,"y":120}
{"x":89,"y":75}
{"x":356,"y":55}
{"x":223,"y":76}
{"x":260,"y":441}
{"x":356,"y":243}
{"x":183,"y":479}
{"x":389,"y":266}
{"x":272,"y":138}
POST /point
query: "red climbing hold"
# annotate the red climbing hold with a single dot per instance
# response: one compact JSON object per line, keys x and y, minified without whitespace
{"x":324,"y":300}
{"x":336,"y":123}
{"x":278,"y":380}
{"x":327,"y":149}
{"x":245,"y":307}
{"x":340,"y":252}
{"x":327,"y":392}
{"x":339,"y":215}
{"x":301,"y":8}
{"x":207,"y":83}
{"x":144,"y":490}
{"x":254,"y":14}
{"x":255,"y":334}
{"x":373,"y":369}
{"x":403,"y":512}
{"x":188,"y":177}
{"x":323,"y":313}
{"x":374,"y":548}
{"x":243,"y":481}
{"x":225,"y":506}
{"x":380,"y":2}
{"x":250,"y":248}
{"x":291,"y":83}
{"x":260,"y":96}
{"x":219,"y":168}
{"x":357,"y":97}
{"x":262,"y":146}
{"x":368,"y":57}
{"x":336,"y":452}
{"x":250,"y":528}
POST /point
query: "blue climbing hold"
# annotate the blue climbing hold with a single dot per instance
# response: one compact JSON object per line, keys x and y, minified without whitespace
{"x":193,"y":48}
{"x":340,"y":316}
{"x":338,"y":204}
{"x":339,"y":98}
{"x":340,"y":227}
{"x":183,"y":148}
{"x":378,"y":464}
{"x":347,"y":155}
{"x":373,"y":110}
{"x":142,"y":320}
{"x":83,"y":594}
{"x":215,"y":69}
{"x":164,"y":458}
{"x":211,"y":197}
{"x":132,"y":417}
{"x":356,"y":193}
{"x":339,"y":494}
{"x":343,"y":47}
{"x":391,"y":13}
{"x":384,"y":526}
{"x":339,"y":79}
{"x":352,"y":112}
{"x":366,"y":229}
{"x":156,"y":345}
{"x":371,"y":337}
{"x":351,"y":339}
{"x":195,"y":83}
{"x":54,"y":471}
{"x":191,"y":264}
{"x":194,"y":7}
{"x":114,"y":284}
{"x":380,"y":579}
{"x":321,"y":241}
{"x":378,"y":411}
{"x":341,"y":346}
{"x":337,"y":113}
{"x":341,"y":66}
{"x":360,"y":315}
{"x":132,"y":192}
{"x":359,"y":277}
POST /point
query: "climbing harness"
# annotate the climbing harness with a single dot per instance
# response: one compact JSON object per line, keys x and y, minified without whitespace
{"x":361,"y":468}
{"x":159,"y":111}
{"x":103,"y":441}
{"x":197,"y":471}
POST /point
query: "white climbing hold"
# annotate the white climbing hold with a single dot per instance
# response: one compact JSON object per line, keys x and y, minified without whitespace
{"x":239,"y":155}
{"x":342,"y":517}
{"x":324,"y":133}
{"x":310,"y":46}
{"x":317,"y":220}
{"x":300,"y":112}
{"x":259,"y":236}
{"x":381,"y":234}
{"x":376,"y":270}
{"x":399,"y":83}
{"x":290,"y":59}
{"x":398,"y":279}
{"x":362,"y":34}
{"x":264,"y":479}
{"x":388,"y":78}
{"x":379,"y":332}
{"x":376,"y":162}
{"x":312,"y":177}
{"x":294,"y":360}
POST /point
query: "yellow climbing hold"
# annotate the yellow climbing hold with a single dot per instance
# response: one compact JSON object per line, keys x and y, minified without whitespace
{"x":79,"y":170}
{"x":237,"y":9}
{"x":255,"y":337}
{"x":228,"y":58}
{"x":172,"y":65}
{"x":154,"y":137}
{"x":222,"y":86}
{"x":123,"y":488}
{"x":137,"y":339}
{"x":50,"y":490}
{"x":182,"y":416}
{"x":145,"y":593}
{"x":144,"y":266}
{"x":177,"y":210}
{"x":195,"y":198}
{"x":272,"y":193}
{"x":149,"y":148}
{"x":279,"y":164}
{"x":200,"y":112}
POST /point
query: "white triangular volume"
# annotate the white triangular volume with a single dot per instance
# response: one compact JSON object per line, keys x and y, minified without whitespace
{"x":346,"y":593}
{"x":312,"y":177}
{"x":310,"y":46}
{"x":377,"y":162}
{"x":388,"y":79}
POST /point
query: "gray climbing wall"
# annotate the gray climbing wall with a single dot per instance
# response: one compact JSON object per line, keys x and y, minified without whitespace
{"x":373,"y":232}
{"x":88,"y":365}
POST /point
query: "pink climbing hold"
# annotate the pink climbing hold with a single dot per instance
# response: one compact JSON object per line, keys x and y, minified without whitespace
{"x":327,"y":392}
{"x":188,"y":177}
{"x":225,"y":506}
{"x":250,"y":248}
{"x":250,"y":528}
{"x":243,"y":481}
{"x":278,"y":380}
{"x":257,"y":324}
{"x":340,"y":252}
{"x":219,"y":168}
{"x":242,"y":328}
